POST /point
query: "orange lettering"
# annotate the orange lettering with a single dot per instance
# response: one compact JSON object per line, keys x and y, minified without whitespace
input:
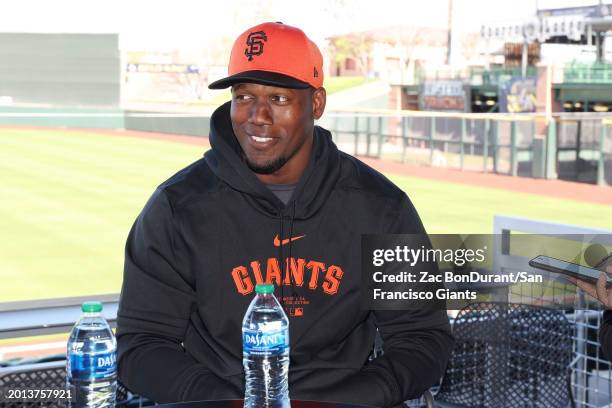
{"x":315,"y":266}
{"x":273,"y":271}
{"x":332,"y":280}
{"x":296,"y":269}
{"x":293,"y":273}
{"x":257,"y":271}
{"x":243,"y":282}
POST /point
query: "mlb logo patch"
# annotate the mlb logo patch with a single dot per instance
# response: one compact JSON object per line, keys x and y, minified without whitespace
{"x":296,"y":311}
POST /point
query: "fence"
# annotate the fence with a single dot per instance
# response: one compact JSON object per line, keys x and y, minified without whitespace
{"x":49,"y":316}
{"x":584,"y":148}
{"x":591,"y":372}
{"x":195,"y":123}
{"x":597,"y":73}
{"x":605,"y":153}
{"x":574,"y":147}
{"x":570,"y":146}
{"x":475,"y":75}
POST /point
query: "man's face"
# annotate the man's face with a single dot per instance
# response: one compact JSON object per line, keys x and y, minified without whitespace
{"x":274,"y":126}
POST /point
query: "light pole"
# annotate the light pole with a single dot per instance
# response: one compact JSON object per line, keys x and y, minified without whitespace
{"x":450,"y":30}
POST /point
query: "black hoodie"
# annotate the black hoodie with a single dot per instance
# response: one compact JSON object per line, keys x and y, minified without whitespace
{"x":605,"y":334}
{"x":213,"y":230}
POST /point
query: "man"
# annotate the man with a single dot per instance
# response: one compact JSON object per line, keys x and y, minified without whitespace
{"x":272,"y":201}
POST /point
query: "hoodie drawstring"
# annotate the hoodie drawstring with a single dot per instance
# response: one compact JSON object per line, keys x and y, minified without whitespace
{"x":280,"y":259}
{"x":293,"y":292}
{"x":286,"y":267}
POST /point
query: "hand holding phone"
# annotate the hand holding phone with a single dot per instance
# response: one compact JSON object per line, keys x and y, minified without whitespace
{"x":593,"y":281}
{"x":555,"y":265}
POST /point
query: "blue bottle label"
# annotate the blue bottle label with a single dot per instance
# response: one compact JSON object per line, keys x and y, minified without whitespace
{"x":257,"y":342}
{"x":93,"y":366}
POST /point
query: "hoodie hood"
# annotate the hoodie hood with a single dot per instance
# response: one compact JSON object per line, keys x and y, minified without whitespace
{"x":314,"y":187}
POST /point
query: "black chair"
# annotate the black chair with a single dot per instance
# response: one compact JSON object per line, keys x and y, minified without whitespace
{"x":509,"y":355}
{"x":50,"y":373}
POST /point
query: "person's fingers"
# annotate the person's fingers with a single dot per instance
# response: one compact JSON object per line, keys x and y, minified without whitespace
{"x":609,"y":271}
{"x":600,"y":288}
{"x":587,"y":287}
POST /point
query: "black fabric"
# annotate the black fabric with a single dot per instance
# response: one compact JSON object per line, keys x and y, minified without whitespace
{"x":260,"y":77}
{"x":207,"y":235}
{"x":605,"y":334}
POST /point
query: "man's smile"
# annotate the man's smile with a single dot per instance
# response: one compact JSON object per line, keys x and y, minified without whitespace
{"x":261,"y":139}
{"x":262,"y":142}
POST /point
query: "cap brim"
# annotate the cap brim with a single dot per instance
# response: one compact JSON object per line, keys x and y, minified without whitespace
{"x":260,"y":77}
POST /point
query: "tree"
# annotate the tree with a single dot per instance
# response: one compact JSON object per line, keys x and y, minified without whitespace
{"x":357,"y":46}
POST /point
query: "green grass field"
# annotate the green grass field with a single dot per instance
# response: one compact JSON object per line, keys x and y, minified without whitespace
{"x":68,"y":200}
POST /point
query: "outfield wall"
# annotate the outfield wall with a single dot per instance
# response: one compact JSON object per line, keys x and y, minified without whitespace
{"x":84,"y":118}
{"x":62,"y":117}
{"x":160,"y":122}
{"x":60,"y":69}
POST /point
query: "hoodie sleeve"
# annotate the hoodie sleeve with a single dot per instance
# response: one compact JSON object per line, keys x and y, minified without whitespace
{"x":154,"y":309}
{"x":416,"y":343}
{"x":605,"y":334}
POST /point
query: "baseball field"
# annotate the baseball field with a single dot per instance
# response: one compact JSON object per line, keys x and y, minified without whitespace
{"x":69,"y":197}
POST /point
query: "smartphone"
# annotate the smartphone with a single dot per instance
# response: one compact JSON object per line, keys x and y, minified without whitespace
{"x":567,"y":268}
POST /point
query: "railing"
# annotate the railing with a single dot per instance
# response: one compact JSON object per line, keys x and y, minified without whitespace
{"x":475,"y":75}
{"x":596,"y":73}
{"x":569,"y":146}
{"x":573,"y":147}
{"x":495,"y":76}
{"x":49,"y":316}
{"x":486,"y":142}
{"x":605,"y":151}
{"x":591,"y":372}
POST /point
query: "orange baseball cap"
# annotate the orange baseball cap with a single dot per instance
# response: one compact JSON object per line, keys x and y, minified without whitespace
{"x":274,"y":54}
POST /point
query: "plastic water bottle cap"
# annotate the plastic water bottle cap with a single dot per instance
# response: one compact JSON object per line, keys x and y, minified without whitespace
{"x":91,"y":307}
{"x":264,"y":288}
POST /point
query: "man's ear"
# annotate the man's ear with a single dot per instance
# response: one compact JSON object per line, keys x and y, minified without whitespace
{"x":319,"y":98}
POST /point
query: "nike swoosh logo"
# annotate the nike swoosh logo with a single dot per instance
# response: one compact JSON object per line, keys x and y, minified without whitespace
{"x":278,"y":242}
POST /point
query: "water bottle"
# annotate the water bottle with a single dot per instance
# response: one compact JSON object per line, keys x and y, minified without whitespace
{"x":265,"y":351}
{"x":91,"y":366}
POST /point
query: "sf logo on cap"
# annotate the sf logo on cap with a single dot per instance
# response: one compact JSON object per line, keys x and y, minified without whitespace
{"x":255,"y":42}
